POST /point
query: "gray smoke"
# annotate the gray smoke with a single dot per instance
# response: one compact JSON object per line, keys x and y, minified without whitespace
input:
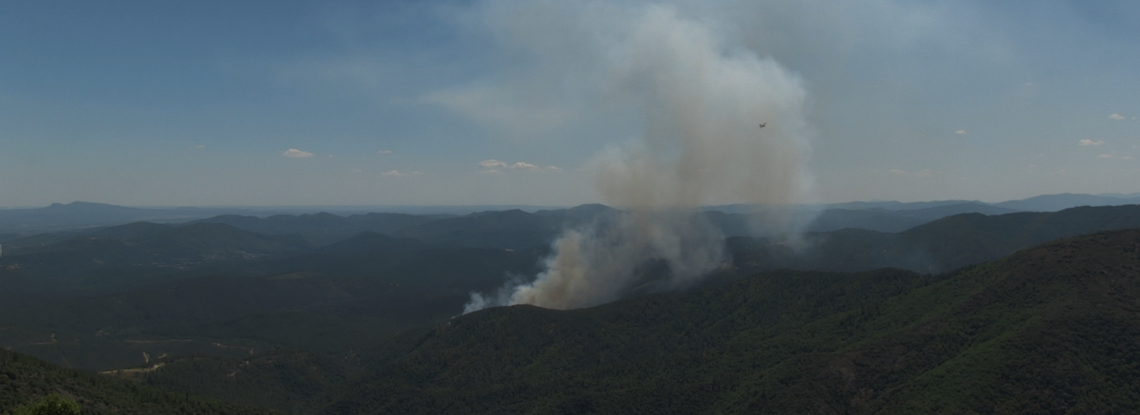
{"x":702,"y":99}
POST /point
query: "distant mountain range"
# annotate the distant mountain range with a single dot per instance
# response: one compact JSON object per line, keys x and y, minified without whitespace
{"x":887,"y":216}
{"x":78,"y":215}
{"x":1044,"y":203}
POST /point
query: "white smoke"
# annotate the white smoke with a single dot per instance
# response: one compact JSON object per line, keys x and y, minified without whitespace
{"x":597,"y":264}
{"x":702,"y":100}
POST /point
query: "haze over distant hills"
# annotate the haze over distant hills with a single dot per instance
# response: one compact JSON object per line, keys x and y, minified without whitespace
{"x":78,"y":215}
{"x":888,"y":216}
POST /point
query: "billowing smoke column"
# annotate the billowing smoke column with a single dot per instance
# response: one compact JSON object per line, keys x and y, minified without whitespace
{"x":703,"y":102}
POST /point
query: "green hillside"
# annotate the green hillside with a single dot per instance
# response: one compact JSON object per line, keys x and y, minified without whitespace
{"x":118,"y":259}
{"x":334,"y":300}
{"x":293,"y":382}
{"x":24,"y":379}
{"x":1053,"y":329}
{"x":210,"y":300}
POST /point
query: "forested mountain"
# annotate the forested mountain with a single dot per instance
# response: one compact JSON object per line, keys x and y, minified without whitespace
{"x":24,"y":379}
{"x":285,"y":312}
{"x":133,"y":288}
{"x":333,"y":300}
{"x":137,"y":241}
{"x":126,"y":257}
{"x":1051,"y":329}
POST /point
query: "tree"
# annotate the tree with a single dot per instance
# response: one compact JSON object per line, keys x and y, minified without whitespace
{"x":53,"y":404}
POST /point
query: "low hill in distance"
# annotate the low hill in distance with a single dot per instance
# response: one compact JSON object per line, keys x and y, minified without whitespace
{"x":324,"y":228}
{"x":121,"y":258}
{"x":1042,"y":203}
{"x":144,"y":239}
{"x":1052,"y":203}
{"x":934,"y":247}
{"x":77,"y":215}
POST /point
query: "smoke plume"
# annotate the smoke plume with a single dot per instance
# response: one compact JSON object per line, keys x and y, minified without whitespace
{"x":702,"y":100}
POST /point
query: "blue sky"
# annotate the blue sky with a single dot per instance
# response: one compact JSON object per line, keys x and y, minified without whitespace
{"x":527,"y":102}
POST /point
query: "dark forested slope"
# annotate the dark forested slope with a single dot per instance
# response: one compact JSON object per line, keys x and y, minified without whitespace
{"x":1053,"y":329}
{"x":24,"y":379}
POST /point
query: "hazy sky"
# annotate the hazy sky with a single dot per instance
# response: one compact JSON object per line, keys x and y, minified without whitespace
{"x":500,"y":102}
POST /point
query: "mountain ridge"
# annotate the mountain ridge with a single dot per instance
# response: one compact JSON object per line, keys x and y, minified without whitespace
{"x":883,"y":342}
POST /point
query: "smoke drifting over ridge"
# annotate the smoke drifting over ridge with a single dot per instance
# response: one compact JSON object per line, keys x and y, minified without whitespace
{"x":702,"y":100}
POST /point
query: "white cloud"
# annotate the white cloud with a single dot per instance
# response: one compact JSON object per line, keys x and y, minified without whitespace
{"x":384,"y":152}
{"x":397,"y":173}
{"x":1087,"y":142}
{"x":1113,"y":155}
{"x":198,"y":146}
{"x":525,"y":165}
{"x":1116,"y":116}
{"x":295,"y":153}
{"x":357,"y":171}
{"x":496,"y":166}
{"x":492,"y":163}
{"x":961,"y":132}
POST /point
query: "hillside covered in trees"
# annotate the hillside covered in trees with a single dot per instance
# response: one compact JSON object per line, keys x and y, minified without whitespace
{"x":24,"y":380}
{"x":849,"y":321}
{"x":1052,"y":329}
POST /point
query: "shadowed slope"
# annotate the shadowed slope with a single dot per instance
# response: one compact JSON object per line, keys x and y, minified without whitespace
{"x":24,"y":379}
{"x":1050,"y":329}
